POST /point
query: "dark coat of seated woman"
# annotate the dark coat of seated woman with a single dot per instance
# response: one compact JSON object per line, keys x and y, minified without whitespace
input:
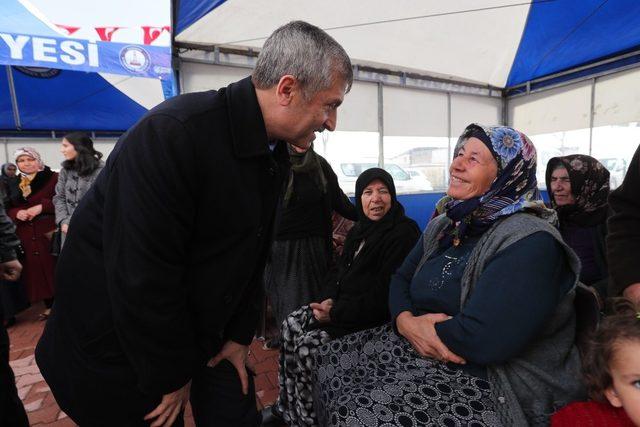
{"x":375,"y":247}
{"x":483,"y":323}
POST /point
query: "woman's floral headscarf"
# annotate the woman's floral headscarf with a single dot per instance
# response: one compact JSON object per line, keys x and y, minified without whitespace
{"x":589,"y":186}
{"x":515,"y":188}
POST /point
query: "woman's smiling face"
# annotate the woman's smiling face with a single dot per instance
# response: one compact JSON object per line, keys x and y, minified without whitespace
{"x":472,"y":171}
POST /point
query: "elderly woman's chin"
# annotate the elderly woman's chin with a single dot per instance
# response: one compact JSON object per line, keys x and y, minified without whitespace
{"x":460,"y":190}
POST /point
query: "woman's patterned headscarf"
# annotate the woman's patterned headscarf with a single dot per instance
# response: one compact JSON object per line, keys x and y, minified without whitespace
{"x":589,"y":186}
{"x":31,"y":152}
{"x":515,"y":188}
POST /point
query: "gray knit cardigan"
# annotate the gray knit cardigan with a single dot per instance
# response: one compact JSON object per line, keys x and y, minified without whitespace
{"x":546,"y":376}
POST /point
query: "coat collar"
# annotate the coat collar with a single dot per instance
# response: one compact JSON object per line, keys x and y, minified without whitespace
{"x":247,"y":124}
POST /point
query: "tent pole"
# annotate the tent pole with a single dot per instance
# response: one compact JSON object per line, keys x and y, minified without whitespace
{"x":446,"y":175}
{"x":14,"y":99}
{"x":591,"y":114}
{"x":380,"y":126}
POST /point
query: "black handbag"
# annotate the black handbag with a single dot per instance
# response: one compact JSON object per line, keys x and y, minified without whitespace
{"x":56,"y":242}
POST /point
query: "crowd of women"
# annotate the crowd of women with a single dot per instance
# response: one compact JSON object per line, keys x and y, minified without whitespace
{"x":40,"y":202}
{"x":469,"y":323}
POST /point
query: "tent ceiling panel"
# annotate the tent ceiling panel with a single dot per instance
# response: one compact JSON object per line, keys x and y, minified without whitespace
{"x":462,"y":39}
{"x":617,"y":99}
{"x":552,"y":111}
{"x":414,"y":112}
{"x":563,"y":34}
{"x":473,"y":109}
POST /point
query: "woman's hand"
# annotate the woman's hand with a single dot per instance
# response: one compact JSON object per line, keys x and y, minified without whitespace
{"x":34,"y":211}
{"x":321,"y":310}
{"x":420,"y":331}
{"x":23,"y":215}
{"x":64,"y":228}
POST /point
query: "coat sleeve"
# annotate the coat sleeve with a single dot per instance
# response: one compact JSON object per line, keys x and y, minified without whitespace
{"x":60,"y":199}
{"x":339,"y":201}
{"x":373,"y":306}
{"x":149,"y":211}
{"x":8,"y":239}
{"x":242,"y":326}
{"x":509,"y":306}
{"x":623,"y":239}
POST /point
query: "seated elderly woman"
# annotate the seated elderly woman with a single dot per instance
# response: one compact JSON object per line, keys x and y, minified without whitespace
{"x":375,"y":247}
{"x":578,"y":187}
{"x":482,"y":313}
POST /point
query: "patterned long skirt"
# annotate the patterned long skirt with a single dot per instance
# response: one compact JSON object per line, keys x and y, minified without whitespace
{"x":375,"y":378}
{"x":299,"y":343}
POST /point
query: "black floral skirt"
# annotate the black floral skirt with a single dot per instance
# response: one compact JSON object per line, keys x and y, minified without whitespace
{"x":375,"y":378}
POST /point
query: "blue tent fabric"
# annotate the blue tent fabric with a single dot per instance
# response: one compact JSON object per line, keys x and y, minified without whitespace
{"x":190,"y":11}
{"x":6,"y":109}
{"x":67,"y":100}
{"x":560,"y":35}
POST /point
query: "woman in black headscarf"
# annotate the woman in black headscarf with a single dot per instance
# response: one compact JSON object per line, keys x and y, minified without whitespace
{"x":578,"y":187}
{"x":373,"y":250}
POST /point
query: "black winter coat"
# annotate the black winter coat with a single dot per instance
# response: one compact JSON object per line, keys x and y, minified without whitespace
{"x":164,"y":258}
{"x":361,"y":286}
{"x":623,"y":239}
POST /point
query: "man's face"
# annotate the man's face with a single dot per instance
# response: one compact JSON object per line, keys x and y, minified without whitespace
{"x":561,"y":187}
{"x":314,"y":113}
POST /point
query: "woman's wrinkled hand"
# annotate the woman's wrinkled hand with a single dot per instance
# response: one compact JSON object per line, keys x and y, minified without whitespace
{"x":23,"y":215}
{"x":64,"y":228}
{"x":420,"y":331}
{"x":321,"y":310}
{"x":34,"y":211}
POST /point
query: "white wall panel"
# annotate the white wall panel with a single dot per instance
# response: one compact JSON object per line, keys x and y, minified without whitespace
{"x":617,"y":99}
{"x":410,"y":112}
{"x":473,"y":109}
{"x":196,"y":77}
{"x":562,"y":109}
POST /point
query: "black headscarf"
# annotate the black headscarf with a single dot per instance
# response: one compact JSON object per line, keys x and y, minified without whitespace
{"x":366,"y":229}
{"x":589,"y":186}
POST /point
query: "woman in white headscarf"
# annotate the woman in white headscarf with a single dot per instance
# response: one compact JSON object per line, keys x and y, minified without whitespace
{"x":33,"y":212}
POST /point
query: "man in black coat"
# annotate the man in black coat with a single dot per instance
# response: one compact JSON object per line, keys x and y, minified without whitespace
{"x":11,"y":410}
{"x":161,"y":272}
{"x":623,"y":241}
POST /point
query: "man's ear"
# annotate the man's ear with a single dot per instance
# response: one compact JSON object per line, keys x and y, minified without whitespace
{"x":286,"y":89}
{"x":612,"y":397}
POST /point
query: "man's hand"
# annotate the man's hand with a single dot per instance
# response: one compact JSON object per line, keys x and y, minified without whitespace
{"x":169,"y":408}
{"x":321,"y":310}
{"x":64,"y":228}
{"x":632,"y":293}
{"x":10,"y":270}
{"x":421,"y":333}
{"x":237,"y":355}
